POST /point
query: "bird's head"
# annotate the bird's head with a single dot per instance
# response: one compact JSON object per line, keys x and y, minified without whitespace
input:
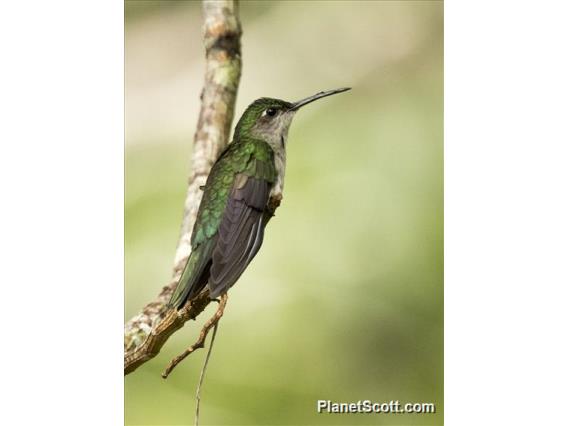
{"x":269,"y":119}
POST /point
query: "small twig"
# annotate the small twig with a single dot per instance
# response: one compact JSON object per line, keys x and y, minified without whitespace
{"x":202,"y":375}
{"x":200,"y":343}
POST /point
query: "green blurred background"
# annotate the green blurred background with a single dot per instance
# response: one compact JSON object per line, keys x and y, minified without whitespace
{"x":345,"y":299}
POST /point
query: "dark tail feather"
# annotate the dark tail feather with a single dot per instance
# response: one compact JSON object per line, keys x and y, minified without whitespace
{"x":194,"y":276}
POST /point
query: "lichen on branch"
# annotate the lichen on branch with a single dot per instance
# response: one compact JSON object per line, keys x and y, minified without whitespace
{"x":146,"y":332}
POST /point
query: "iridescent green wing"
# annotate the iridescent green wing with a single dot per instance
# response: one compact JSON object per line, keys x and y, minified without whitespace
{"x":228,"y":231}
{"x":203,"y":238}
{"x":241,"y":230}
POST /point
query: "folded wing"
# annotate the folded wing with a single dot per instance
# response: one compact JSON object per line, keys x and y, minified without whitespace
{"x":240,"y":233}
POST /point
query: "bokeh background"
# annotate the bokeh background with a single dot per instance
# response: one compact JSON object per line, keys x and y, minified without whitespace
{"x":345,"y":299}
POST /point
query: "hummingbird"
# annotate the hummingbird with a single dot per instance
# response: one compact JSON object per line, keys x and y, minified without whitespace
{"x":229,"y":228}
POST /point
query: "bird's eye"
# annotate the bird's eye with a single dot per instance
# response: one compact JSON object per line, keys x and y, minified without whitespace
{"x":271,"y":112}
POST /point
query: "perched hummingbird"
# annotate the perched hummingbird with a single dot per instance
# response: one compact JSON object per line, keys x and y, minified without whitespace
{"x":229,"y":228}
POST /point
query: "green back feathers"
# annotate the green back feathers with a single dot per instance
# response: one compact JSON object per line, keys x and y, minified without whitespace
{"x":248,"y":156}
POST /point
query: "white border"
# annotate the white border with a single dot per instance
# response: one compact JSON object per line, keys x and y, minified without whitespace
{"x":506,"y":162}
{"x":61,"y":225}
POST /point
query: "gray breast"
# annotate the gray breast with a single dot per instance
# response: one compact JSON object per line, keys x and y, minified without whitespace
{"x":280,"y":164}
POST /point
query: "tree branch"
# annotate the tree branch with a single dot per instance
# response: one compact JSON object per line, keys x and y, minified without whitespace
{"x":146,"y":333}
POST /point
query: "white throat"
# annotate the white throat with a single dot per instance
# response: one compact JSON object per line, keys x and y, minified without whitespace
{"x":275,"y":134}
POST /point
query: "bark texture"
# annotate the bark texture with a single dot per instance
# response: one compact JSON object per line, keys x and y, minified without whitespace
{"x":146,"y":333}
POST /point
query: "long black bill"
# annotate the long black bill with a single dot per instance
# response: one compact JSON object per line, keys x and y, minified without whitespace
{"x":317,"y":96}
